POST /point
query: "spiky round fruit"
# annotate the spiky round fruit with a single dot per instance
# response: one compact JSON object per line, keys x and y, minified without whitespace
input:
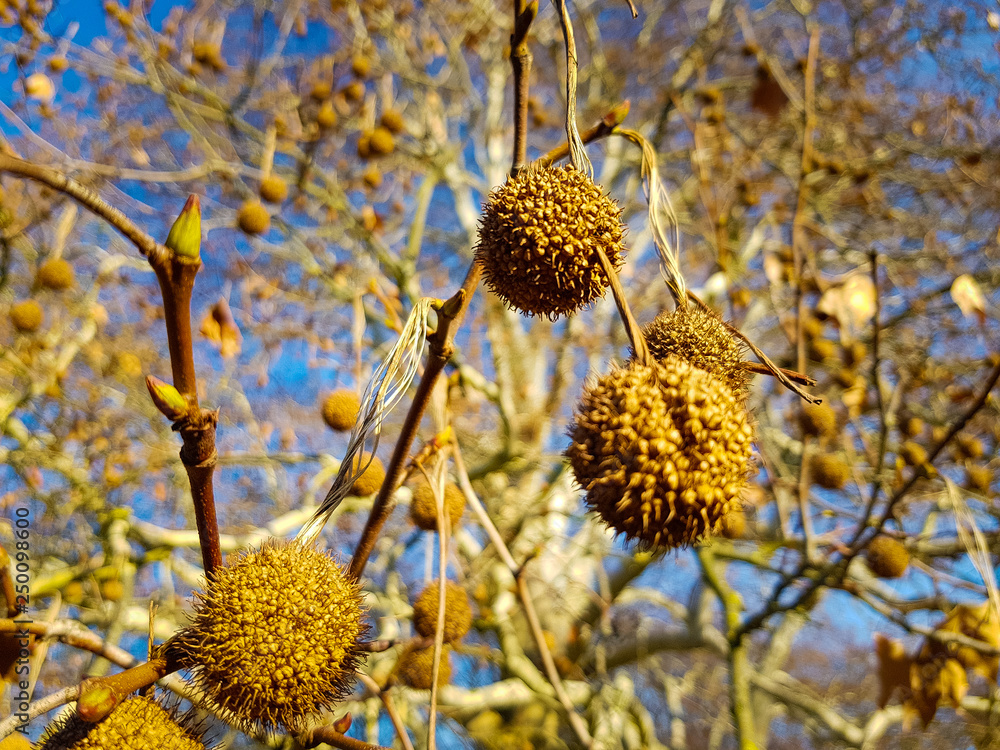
{"x":26,"y":315}
{"x":137,"y":723}
{"x":371,"y":481}
{"x":415,"y":667}
{"x":829,"y":471}
{"x":734,"y":524}
{"x":887,"y":557}
{"x":457,"y":612}
{"x":273,"y":189}
{"x":539,"y":237}
{"x":701,"y":338}
{"x":663,"y":451}
{"x":274,"y":638}
{"x":341,"y":409}
{"x":55,"y":273}
{"x":913,"y":453}
{"x":818,"y":420}
{"x":253,"y":218}
{"x":423,"y":507}
{"x":16,"y":741}
{"x":392,"y":121}
{"x":321,"y":91}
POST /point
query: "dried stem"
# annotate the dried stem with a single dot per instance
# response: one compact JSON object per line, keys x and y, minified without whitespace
{"x":331,"y":736}
{"x":632,"y":328}
{"x":520,"y":62}
{"x":390,"y":708}
{"x":42,"y":706}
{"x":605,"y":127}
{"x":577,"y":154}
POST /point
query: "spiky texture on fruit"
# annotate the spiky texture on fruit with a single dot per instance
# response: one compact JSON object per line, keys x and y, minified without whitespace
{"x":26,"y":315}
{"x":734,"y":524}
{"x":55,"y":273}
{"x":539,"y":237}
{"x":818,"y":420}
{"x":457,"y":612}
{"x":274,"y":638}
{"x":371,"y":481}
{"x":663,"y":451}
{"x":423,"y":507}
{"x":415,"y":667}
{"x":137,"y":723}
{"x":341,"y":409}
{"x":273,"y":189}
{"x":887,"y":557}
{"x":829,"y":471}
{"x":701,"y":338}
{"x":253,"y":218}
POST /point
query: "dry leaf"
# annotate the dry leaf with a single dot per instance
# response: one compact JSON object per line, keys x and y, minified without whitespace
{"x":852,"y":303}
{"x":933,"y":682}
{"x":969,"y":297}
{"x":219,"y":327}
{"x":981,"y":623}
{"x":893,"y":668}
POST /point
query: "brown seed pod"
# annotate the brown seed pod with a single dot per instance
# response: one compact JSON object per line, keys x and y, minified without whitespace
{"x":913,"y":453}
{"x":137,"y":723}
{"x":326,"y":118}
{"x":818,"y":420}
{"x":457,"y":612}
{"x":354,"y":91}
{"x":273,"y":189}
{"x":360,"y":66}
{"x":253,"y":218}
{"x":979,"y":478}
{"x":372,"y":177}
{"x":55,"y":273}
{"x":415,"y":667}
{"x":887,"y":557}
{"x":663,"y":451}
{"x":912,"y":427}
{"x":423,"y":507}
{"x":701,"y":338}
{"x":26,"y":315}
{"x":274,"y":638}
{"x":538,"y":241}
{"x":371,"y":481}
{"x":392,"y":121}
{"x":341,"y":409}
{"x":829,"y":471}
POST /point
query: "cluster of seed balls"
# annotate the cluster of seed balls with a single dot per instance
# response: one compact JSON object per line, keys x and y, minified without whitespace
{"x":55,"y":274}
{"x":137,"y":723}
{"x":340,"y":410}
{"x":415,"y":664}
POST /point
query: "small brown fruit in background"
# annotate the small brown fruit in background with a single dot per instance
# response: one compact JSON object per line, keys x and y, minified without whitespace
{"x":415,"y":667}
{"x":372,"y":177}
{"x":26,"y":316}
{"x":56,"y":274}
{"x":326,"y":118}
{"x":887,"y":557}
{"x":392,"y":120}
{"x":273,"y":189}
{"x":423,"y":507}
{"x":253,"y":218}
{"x":818,"y":420}
{"x":457,"y":612}
{"x":381,"y":142}
{"x":341,"y":409}
{"x":979,"y":478}
{"x":371,"y":481}
{"x":829,"y":471}
{"x":913,"y":453}
{"x":912,"y":427}
{"x":354,"y":91}
{"x":360,"y":66}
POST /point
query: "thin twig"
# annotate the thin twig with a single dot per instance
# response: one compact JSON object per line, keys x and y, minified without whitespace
{"x":42,"y":706}
{"x":390,"y":708}
{"x":520,"y":62}
{"x":331,"y":736}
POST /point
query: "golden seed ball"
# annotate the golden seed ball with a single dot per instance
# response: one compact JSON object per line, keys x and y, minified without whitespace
{"x":56,"y":274}
{"x":112,"y":590}
{"x":913,"y":426}
{"x":321,"y":91}
{"x":979,"y":479}
{"x":967,"y":446}
{"x":821,"y":349}
{"x":58,"y":64}
{"x":73,"y":592}
{"x":26,"y":315}
{"x":273,"y":189}
{"x":372,"y":177}
{"x":16,"y":741}
{"x":354,"y":91}
{"x":137,"y":723}
{"x":416,"y":667}
{"x":274,"y":638}
{"x":381,"y":142}
{"x":392,"y":120}
{"x":539,"y":237}
{"x":663,"y":452}
{"x":371,"y":481}
{"x":913,"y":453}
{"x":423,"y":507}
{"x":364,"y":146}
{"x":360,"y":65}
{"x":887,"y":557}
{"x":253,"y":218}
{"x":326,"y":118}
{"x":341,"y":409}
{"x":829,"y":471}
{"x":702,"y":339}
{"x":818,"y":420}
{"x":733,"y":525}
{"x":457,"y":612}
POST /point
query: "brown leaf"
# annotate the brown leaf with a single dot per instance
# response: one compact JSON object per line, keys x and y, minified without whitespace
{"x":219,"y":327}
{"x":893,"y":668}
{"x":979,"y":622}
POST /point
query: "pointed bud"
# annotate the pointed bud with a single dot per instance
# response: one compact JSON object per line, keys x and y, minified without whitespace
{"x":617,"y":116}
{"x":166,"y":398}
{"x":185,"y":235}
{"x":96,"y":702}
{"x":343,"y":723}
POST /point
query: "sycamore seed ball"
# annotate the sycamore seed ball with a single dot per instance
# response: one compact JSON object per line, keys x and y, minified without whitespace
{"x":913,"y":453}
{"x":55,"y":274}
{"x":415,"y":668}
{"x":327,"y":116}
{"x":274,"y":638}
{"x":979,"y":478}
{"x":26,"y":316}
{"x":273,"y":189}
{"x":360,"y":65}
{"x":392,"y":120}
{"x":381,"y":142}
{"x":887,"y":557}
{"x":457,"y":613}
{"x":913,"y":426}
{"x":423,"y":507}
{"x":372,"y":177}
{"x":371,"y":481}
{"x":354,"y":91}
{"x":341,"y":409}
{"x":663,"y":452}
{"x":16,"y":741}
{"x":253,"y":218}
{"x":137,"y":723}
{"x":734,"y":524}
{"x":539,"y":237}
{"x":829,"y":471}
{"x":818,"y":420}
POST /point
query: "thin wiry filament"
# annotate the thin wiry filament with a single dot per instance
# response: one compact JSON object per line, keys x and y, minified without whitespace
{"x":387,"y":386}
{"x":577,"y":153}
{"x":975,"y":544}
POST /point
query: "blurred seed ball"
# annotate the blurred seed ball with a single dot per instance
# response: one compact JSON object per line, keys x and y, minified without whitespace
{"x":341,"y":409}
{"x":913,"y":453}
{"x":273,"y":189}
{"x":701,"y":338}
{"x":55,"y":273}
{"x":733,"y":525}
{"x":663,"y":451}
{"x":128,"y":364}
{"x":829,"y":471}
{"x":26,"y":315}
{"x":326,"y":118}
{"x":360,"y":65}
{"x":321,"y":91}
{"x":392,"y":120}
{"x":72,"y":592}
{"x":112,"y":590}
{"x":887,"y":557}
{"x":354,"y":91}
{"x":912,"y":427}
{"x":423,"y":507}
{"x":58,"y":64}
{"x":967,"y":446}
{"x":822,"y":349}
{"x":274,"y":637}
{"x":818,"y":420}
{"x":855,"y":354}
{"x":137,"y":723}
{"x":364,"y":146}
{"x":416,"y":667}
{"x":979,"y":479}
{"x":372,"y":177}
{"x":209,"y":54}
{"x":539,"y":237}
{"x":371,"y":481}
{"x":381,"y":142}
{"x":457,"y":612}
{"x":741,"y":297}
{"x":39,"y":86}
{"x":253,"y":218}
